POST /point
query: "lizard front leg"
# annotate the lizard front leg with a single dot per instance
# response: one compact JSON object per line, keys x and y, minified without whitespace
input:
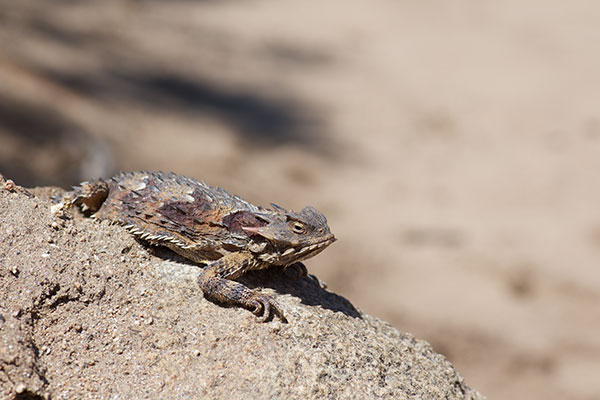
{"x":216,"y":283}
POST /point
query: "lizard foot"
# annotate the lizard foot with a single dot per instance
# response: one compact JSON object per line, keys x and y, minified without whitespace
{"x":263,"y":305}
{"x":232,"y":292}
{"x":299,"y":269}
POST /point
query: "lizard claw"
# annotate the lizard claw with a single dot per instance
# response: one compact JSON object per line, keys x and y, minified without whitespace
{"x":263,"y":305}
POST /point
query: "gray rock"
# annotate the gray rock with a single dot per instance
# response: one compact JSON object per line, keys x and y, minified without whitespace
{"x":89,"y":312}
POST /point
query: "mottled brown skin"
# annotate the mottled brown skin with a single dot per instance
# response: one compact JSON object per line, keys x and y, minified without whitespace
{"x":207,"y":225}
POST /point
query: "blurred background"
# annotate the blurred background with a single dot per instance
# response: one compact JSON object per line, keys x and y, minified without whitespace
{"x":454,"y":147}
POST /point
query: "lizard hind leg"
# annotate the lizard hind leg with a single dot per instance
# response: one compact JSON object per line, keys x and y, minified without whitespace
{"x":88,"y":195}
{"x":217,"y":284}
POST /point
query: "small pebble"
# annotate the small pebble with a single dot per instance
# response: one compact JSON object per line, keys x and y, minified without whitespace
{"x":9,"y":184}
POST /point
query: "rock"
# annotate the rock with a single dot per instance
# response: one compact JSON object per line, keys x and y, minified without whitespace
{"x":19,"y":370}
{"x":101,"y":315}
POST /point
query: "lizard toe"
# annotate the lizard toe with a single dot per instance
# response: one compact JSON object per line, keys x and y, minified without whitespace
{"x":263,"y":306}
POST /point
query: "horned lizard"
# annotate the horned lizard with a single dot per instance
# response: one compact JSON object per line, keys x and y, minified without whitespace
{"x":207,"y":225}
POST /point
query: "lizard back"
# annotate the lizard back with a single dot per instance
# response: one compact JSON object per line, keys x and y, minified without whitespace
{"x":178,"y":211}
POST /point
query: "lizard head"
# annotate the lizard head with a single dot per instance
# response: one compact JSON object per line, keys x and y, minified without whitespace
{"x":293,"y":236}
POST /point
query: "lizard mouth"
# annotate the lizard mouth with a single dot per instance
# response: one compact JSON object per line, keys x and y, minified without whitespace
{"x":303,"y":252}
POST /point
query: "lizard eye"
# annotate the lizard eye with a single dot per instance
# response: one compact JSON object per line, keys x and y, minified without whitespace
{"x":297,"y":227}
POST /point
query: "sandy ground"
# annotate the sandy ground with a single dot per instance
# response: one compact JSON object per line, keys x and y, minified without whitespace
{"x":453,"y":147}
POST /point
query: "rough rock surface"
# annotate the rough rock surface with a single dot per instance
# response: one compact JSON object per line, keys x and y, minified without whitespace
{"x":86,"y":311}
